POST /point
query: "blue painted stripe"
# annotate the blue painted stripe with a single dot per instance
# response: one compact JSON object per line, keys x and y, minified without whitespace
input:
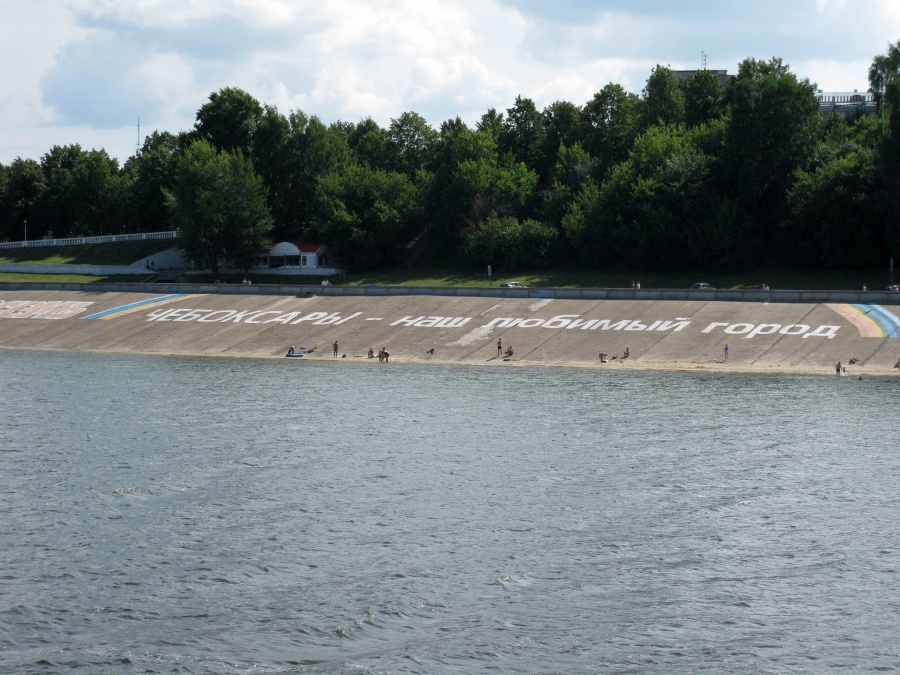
{"x":887,"y":321}
{"x":133,"y":304}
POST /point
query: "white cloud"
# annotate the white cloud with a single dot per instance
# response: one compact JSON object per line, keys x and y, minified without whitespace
{"x":89,"y":68}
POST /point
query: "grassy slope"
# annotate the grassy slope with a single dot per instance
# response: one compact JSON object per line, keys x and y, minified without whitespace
{"x":573,"y":278}
{"x":125,"y":253}
{"x":120,"y":253}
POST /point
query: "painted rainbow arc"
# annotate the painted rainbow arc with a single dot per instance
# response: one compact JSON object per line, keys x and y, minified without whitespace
{"x":871,"y":320}
{"x":141,"y":304}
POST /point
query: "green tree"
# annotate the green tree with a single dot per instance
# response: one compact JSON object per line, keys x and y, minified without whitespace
{"x":367,"y":215}
{"x":839,"y":215}
{"x":773,"y":129}
{"x":704,"y":98}
{"x":472,"y":182}
{"x":371,"y":146}
{"x":82,"y":195}
{"x":413,"y":143}
{"x":610,"y":121}
{"x":291,"y":153}
{"x":24,"y":187}
{"x":492,"y":123}
{"x":522,"y":133}
{"x":663,"y":98}
{"x":229,"y":120}
{"x":509,"y":244}
{"x":561,"y":122}
{"x":147,"y":174}
{"x":660,"y":209}
{"x":883,"y":76}
{"x":218,"y":202}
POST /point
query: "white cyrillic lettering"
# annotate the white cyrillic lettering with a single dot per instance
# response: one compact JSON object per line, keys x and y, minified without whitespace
{"x":583,"y":325}
{"x":157,"y":314}
{"x":560,"y":321}
{"x":454,"y":322}
{"x":213,"y":317}
{"x":330,"y":319}
{"x":352,"y":316}
{"x":823,"y":331}
{"x":259,"y":314}
{"x":739,"y":328}
{"x":407,"y":321}
{"x":9,"y":307}
{"x":238,"y":317}
{"x":174,"y":314}
{"x":636,"y":325}
{"x":69,"y":309}
{"x":498,"y":323}
{"x":764,"y":329}
{"x":193,"y":314}
{"x":527,"y":323}
{"x":429,"y":322}
{"x":604,"y":324}
{"x":284,"y":318}
{"x":677,"y":325}
{"x":789,"y":330}
{"x":712,"y":326}
{"x":312,"y":316}
{"x":29,"y":310}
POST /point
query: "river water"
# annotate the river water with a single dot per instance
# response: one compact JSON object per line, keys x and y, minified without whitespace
{"x":255,"y":516}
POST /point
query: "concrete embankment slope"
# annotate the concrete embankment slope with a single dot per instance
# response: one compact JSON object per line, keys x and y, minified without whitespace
{"x":665,"y":334}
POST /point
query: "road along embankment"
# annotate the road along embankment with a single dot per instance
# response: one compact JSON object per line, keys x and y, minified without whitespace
{"x":660,"y":334}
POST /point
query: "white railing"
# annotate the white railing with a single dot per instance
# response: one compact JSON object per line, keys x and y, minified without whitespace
{"x":77,"y":241}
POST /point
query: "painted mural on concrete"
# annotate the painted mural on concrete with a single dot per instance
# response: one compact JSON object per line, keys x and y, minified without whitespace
{"x":872,"y":321}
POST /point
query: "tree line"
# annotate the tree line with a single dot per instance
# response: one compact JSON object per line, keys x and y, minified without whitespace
{"x":689,"y":175}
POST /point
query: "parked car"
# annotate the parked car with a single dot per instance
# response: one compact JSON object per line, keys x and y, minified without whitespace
{"x":512,"y":284}
{"x":893,"y":287}
{"x":701,"y":287}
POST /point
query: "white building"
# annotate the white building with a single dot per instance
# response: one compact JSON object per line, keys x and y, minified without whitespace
{"x":289,"y":258}
{"x":846,"y":103}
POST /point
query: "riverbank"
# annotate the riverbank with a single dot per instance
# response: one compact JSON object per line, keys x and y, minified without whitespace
{"x":660,"y":334}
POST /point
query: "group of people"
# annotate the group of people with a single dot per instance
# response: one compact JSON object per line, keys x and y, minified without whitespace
{"x":506,"y":354}
{"x":604,"y":357}
{"x":383,"y":354}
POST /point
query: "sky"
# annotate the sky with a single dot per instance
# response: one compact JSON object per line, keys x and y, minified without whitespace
{"x":107,"y":73}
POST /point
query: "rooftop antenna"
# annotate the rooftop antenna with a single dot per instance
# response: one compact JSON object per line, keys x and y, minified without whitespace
{"x":137,"y":149}
{"x":702,"y":60}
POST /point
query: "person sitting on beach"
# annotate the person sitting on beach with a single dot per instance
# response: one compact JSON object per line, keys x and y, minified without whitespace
{"x":509,"y":351}
{"x":897,"y":365}
{"x":627,"y":353}
{"x":603,"y":357}
{"x":371,"y":353}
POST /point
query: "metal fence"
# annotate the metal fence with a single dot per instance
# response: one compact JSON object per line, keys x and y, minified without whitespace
{"x":77,"y":241}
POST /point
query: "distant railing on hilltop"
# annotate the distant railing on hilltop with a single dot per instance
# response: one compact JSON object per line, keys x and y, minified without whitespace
{"x":76,"y":241}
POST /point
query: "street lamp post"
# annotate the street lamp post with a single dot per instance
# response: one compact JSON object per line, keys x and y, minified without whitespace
{"x":26,"y":230}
